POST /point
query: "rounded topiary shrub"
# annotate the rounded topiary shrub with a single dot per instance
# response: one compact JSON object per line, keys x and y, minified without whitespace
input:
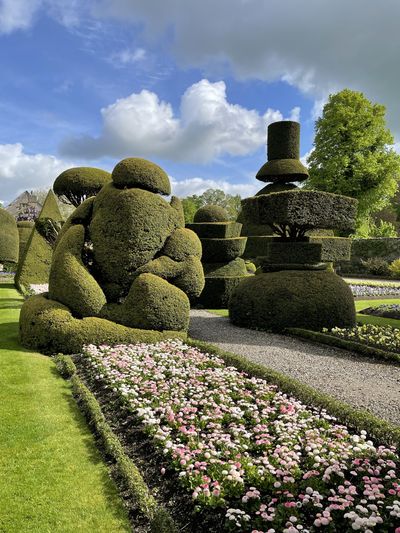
{"x":138,"y":172}
{"x":9,"y":238}
{"x":211,"y":213}
{"x":76,"y":184}
{"x":293,"y":299}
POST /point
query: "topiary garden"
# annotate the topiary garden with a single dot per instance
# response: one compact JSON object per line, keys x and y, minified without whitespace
{"x":9,"y":238}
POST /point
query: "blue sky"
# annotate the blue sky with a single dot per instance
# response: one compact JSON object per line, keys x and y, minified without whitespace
{"x":190,"y":85}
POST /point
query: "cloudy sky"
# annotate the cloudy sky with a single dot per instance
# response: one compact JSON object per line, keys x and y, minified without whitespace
{"x":188,"y":84}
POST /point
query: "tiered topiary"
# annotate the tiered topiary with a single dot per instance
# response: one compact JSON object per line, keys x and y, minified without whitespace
{"x":222,"y":248}
{"x":122,"y":270}
{"x":24,"y":231}
{"x":293,"y":286}
{"x":9,"y":238}
{"x":34,"y":265}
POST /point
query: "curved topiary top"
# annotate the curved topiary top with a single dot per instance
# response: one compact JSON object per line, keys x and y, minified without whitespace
{"x":76,"y":184}
{"x":211,"y":213}
{"x":9,"y":237}
{"x":277,"y":187}
{"x":138,"y":172}
{"x":282,"y":170}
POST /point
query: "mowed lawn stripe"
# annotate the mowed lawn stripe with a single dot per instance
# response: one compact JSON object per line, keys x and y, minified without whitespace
{"x":52,"y":477}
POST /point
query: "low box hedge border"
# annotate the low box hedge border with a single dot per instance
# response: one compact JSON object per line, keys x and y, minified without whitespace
{"x":380,"y":430}
{"x":357,"y":347}
{"x":128,"y":477}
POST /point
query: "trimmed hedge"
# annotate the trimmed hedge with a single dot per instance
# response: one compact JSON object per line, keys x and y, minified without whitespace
{"x":182,"y":243}
{"x":9,"y":238}
{"x":363,"y":249}
{"x":282,"y":170}
{"x":331,"y":340}
{"x":141,"y":173}
{"x":34,"y":266}
{"x":216,"y":230}
{"x":309,"y":209}
{"x":127,"y":475}
{"x":70,"y":282}
{"x":24,"y":231}
{"x":219,"y":250}
{"x":380,"y":430}
{"x":217,"y":291}
{"x":257,"y":245}
{"x":333,"y":248}
{"x":128,"y":229}
{"x":283,"y":140}
{"x":49,"y":327}
{"x":211,"y":213}
{"x":293,"y":298}
{"x":279,"y":251}
{"x":81,"y":215}
{"x":176,"y":204}
{"x":277,"y":187}
{"x":237,"y":267}
{"x":76,"y":184}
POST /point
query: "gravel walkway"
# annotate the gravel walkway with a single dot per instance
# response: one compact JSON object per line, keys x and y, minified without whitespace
{"x":359,"y":381}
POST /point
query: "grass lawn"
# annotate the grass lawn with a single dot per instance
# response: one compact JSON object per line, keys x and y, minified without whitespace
{"x":360,"y":304}
{"x":52,"y":476}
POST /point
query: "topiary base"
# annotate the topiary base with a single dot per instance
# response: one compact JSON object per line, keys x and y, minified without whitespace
{"x":49,"y":327}
{"x":293,"y":299}
{"x":217,"y":291}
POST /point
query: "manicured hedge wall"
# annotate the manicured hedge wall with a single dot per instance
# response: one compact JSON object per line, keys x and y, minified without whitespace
{"x":9,"y":238}
{"x":363,"y":249}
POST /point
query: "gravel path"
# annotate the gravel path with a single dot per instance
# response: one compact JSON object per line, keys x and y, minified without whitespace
{"x":359,"y":381}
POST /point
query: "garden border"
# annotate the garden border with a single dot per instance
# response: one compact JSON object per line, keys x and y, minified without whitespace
{"x":331,"y":340}
{"x":128,"y":475}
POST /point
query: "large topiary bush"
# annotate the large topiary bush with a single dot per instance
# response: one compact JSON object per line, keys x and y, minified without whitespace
{"x":294,"y":286}
{"x":34,"y":265}
{"x":24,"y":230}
{"x":123,"y":263}
{"x":9,"y":238}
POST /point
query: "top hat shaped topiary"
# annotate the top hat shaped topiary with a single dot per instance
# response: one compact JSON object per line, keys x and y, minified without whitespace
{"x":283,"y":163}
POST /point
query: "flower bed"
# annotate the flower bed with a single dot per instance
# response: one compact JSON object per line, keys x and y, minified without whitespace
{"x":239,"y":445}
{"x":384,"y":310}
{"x":372,"y":288}
{"x":384,"y":337}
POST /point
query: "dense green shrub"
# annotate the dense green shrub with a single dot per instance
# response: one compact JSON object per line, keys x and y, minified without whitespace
{"x":394,"y":268}
{"x":129,"y":228}
{"x":305,"y":209}
{"x":70,"y":283}
{"x":333,"y":248}
{"x":48,"y":229}
{"x":182,"y":243}
{"x":211,"y":213}
{"x":49,"y":327}
{"x":76,"y":184}
{"x":276,"y":187}
{"x":217,"y":291}
{"x":137,"y":172}
{"x":293,"y":298}
{"x":9,"y":238}
{"x":282,"y":169}
{"x":216,"y":230}
{"x":81,"y":215}
{"x":279,"y":251}
{"x":24,"y":231}
{"x":377,"y":266}
{"x":34,"y":266}
{"x":219,"y":250}
{"x":236,"y":267}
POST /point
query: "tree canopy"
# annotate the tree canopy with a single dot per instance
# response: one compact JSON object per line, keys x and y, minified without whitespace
{"x":352,"y":153}
{"x":211,"y":196}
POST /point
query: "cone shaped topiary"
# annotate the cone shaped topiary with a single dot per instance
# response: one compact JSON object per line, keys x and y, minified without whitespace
{"x":9,"y":238}
{"x":34,"y":266}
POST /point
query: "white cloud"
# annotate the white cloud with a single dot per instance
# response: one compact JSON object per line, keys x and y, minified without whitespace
{"x":20,"y":171}
{"x":128,"y":57}
{"x":208,"y":126}
{"x":190,"y":186}
{"x":17,"y":14}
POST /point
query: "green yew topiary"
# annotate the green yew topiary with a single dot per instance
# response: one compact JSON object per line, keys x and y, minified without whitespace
{"x":211,"y":213}
{"x":49,"y":327}
{"x":34,"y":266}
{"x":182,"y":243}
{"x":70,"y":283}
{"x":293,"y":298}
{"x":137,"y":172}
{"x":9,"y":238}
{"x":216,"y":230}
{"x":24,"y":231}
{"x":76,"y":184}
